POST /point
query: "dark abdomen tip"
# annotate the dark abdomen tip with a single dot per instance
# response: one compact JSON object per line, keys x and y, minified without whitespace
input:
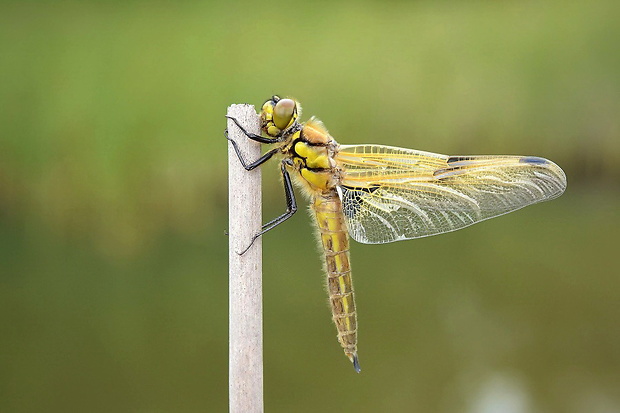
{"x":356,"y":364}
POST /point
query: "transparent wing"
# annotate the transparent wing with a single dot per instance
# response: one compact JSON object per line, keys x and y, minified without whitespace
{"x":391,"y":194}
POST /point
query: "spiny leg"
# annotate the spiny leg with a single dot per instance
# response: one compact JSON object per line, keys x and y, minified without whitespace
{"x":291,"y":203}
{"x":264,"y":158}
{"x":291,"y":207}
{"x":253,"y":136}
{"x":251,"y":165}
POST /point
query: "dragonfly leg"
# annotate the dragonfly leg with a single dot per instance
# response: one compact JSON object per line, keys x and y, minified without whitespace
{"x":251,"y":165}
{"x":253,"y":136}
{"x":291,"y":207}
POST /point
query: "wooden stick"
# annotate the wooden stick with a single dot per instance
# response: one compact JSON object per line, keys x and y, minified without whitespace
{"x":245,"y":350}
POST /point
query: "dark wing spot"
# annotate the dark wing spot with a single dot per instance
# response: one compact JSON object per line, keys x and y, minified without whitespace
{"x":453,"y":159}
{"x":534,"y":160}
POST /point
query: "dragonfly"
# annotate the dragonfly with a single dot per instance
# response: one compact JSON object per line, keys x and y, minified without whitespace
{"x":378,"y":194}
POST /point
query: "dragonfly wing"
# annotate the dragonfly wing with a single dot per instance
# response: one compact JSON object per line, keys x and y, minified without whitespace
{"x":391,"y":194}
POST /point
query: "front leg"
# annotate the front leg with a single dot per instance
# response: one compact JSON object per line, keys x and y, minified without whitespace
{"x":250,"y":165}
{"x":252,"y":136}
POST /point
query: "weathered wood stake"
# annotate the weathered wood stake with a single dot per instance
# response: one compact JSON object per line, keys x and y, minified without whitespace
{"x":245,"y":350}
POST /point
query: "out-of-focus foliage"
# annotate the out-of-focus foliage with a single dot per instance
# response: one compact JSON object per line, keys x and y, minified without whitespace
{"x":113,"y":204}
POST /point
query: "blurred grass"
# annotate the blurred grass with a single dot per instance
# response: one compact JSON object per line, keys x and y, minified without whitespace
{"x":109,"y":109}
{"x":113,"y":199}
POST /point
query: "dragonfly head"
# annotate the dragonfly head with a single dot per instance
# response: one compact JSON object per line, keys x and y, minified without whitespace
{"x":278,"y":114}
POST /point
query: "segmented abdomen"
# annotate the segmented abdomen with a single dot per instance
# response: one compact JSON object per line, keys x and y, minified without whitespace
{"x":335,"y":242}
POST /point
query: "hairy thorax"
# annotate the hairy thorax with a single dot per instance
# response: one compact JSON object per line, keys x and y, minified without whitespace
{"x":312,"y":152}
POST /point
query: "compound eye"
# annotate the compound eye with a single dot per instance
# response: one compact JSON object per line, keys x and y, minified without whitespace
{"x":283,"y":113}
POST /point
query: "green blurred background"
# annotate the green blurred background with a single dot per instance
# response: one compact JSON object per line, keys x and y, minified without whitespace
{"x":113,"y":205}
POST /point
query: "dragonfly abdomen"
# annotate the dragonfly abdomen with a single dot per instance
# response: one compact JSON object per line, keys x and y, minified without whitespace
{"x":335,"y":243}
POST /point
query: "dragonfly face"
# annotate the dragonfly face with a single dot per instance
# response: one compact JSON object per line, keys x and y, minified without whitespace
{"x":278,"y":114}
{"x":379,"y":194}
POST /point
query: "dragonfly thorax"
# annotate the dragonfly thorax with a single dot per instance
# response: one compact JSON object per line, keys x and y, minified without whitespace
{"x":313,"y":159}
